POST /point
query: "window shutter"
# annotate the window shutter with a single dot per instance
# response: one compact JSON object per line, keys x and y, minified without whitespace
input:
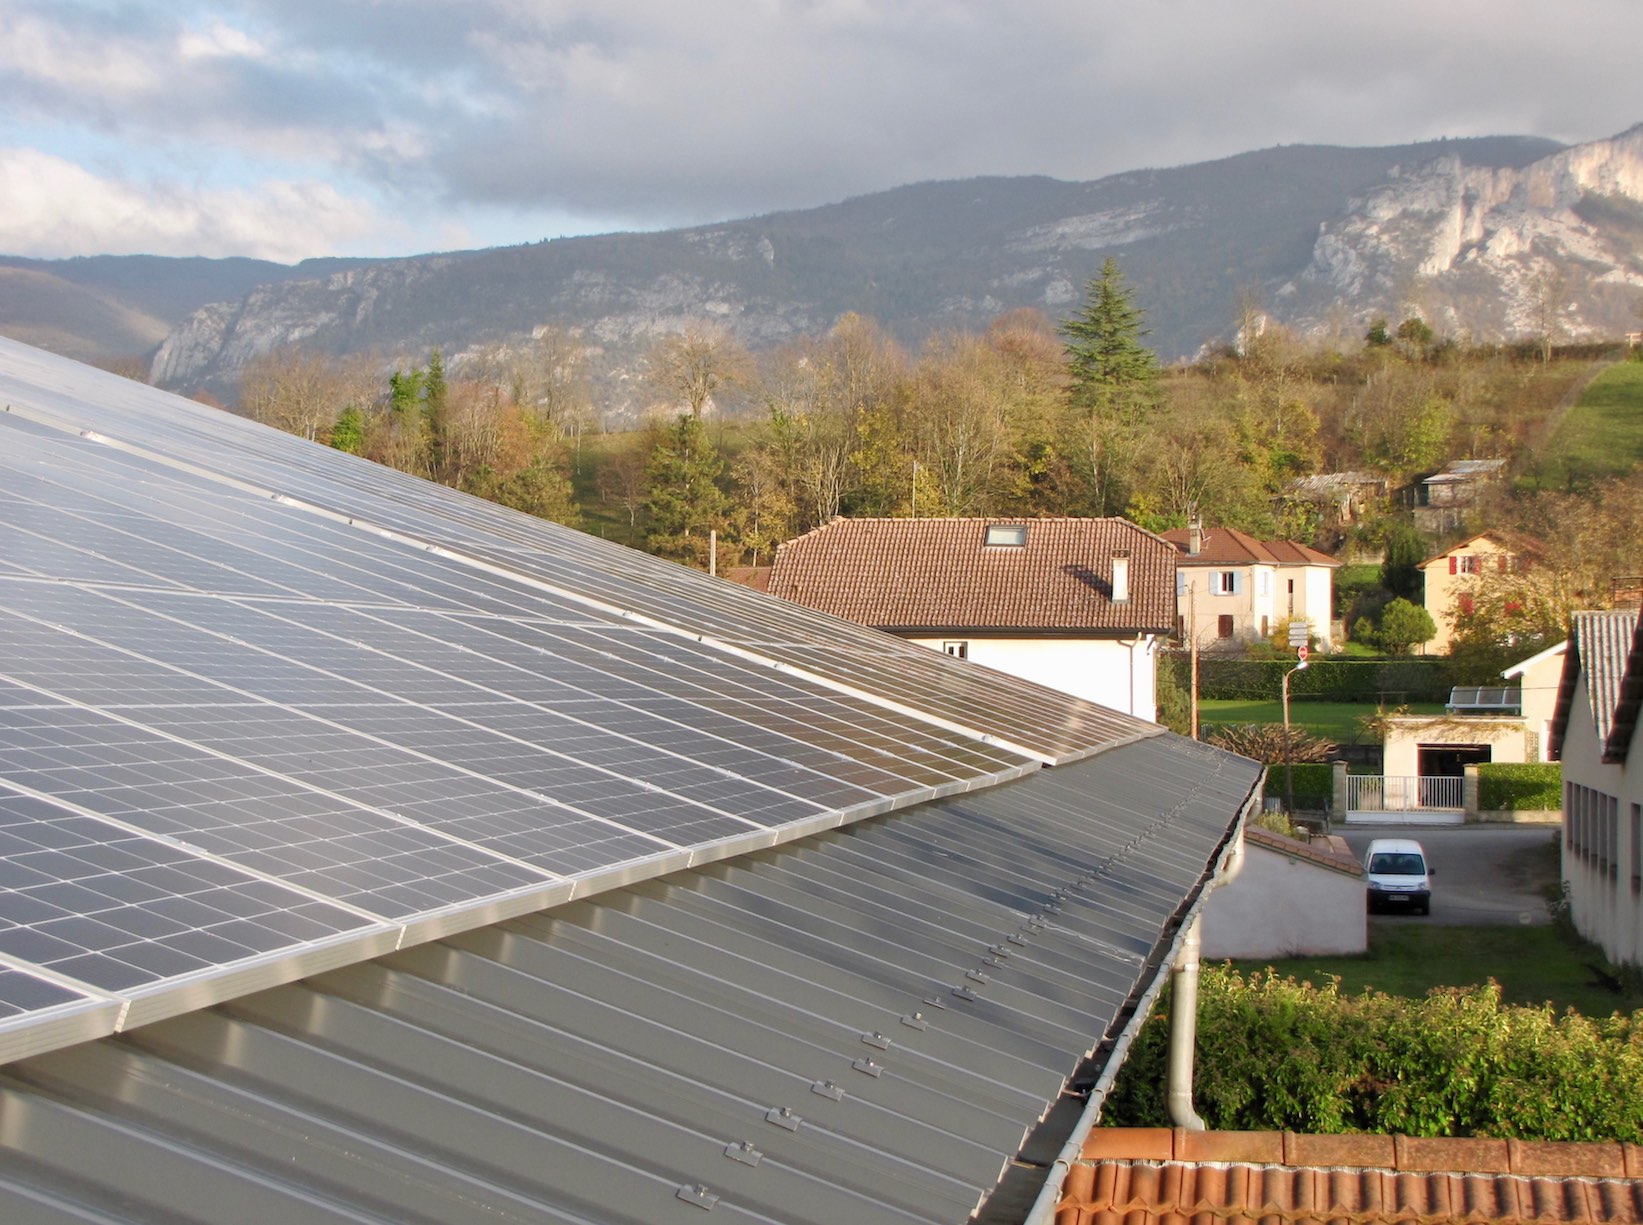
{"x":1237,"y":582}
{"x":1501,"y":563}
{"x":1180,"y":582}
{"x":1454,"y":565}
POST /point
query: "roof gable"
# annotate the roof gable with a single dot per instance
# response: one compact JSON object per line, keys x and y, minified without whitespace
{"x":944,"y":575}
{"x":1594,"y":665}
{"x":1227,"y":546}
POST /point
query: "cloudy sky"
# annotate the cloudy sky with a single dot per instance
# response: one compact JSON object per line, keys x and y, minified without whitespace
{"x":290,"y":128}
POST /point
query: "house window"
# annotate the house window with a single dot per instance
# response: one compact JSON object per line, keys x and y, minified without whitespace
{"x":1637,"y":848}
{"x":1007,"y":535}
{"x":958,"y":650}
{"x":1223,"y":625}
{"x":1265,"y":631}
{"x":1469,"y":564}
{"x":1223,"y":582}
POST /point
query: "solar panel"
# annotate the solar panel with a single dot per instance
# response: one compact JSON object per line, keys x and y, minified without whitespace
{"x":266,"y":708}
{"x":582,"y":567}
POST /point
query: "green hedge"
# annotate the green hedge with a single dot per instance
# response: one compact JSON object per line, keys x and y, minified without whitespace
{"x":1281,"y":1055}
{"x":1314,"y":784}
{"x":1394,"y":681}
{"x":1518,"y":786}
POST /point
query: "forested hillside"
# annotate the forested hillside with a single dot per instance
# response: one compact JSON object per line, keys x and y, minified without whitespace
{"x":1029,"y":417}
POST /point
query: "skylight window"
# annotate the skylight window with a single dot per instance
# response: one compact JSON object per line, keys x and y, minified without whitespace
{"x":1007,"y":535}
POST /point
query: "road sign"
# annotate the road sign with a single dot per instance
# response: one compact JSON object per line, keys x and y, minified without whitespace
{"x":1299,"y":633}
{"x":1300,"y":652}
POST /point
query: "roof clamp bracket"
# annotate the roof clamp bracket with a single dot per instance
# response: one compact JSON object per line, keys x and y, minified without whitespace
{"x":998,"y":950}
{"x":915,"y":1020}
{"x":743,"y":1152}
{"x":990,"y":960}
{"x":872,"y":1067}
{"x":964,"y":993}
{"x":1017,"y":938}
{"x":975,"y":976}
{"x":783,"y":1117}
{"x":827,"y":1089}
{"x":935,"y":1001}
{"x":698,"y":1195}
{"x":876,"y":1039}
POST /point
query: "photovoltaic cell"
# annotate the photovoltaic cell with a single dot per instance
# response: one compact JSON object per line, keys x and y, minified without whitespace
{"x":258,"y":697}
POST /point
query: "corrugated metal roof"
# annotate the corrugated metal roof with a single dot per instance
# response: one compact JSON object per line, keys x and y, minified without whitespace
{"x":860,"y":1026}
{"x":1594,"y":669}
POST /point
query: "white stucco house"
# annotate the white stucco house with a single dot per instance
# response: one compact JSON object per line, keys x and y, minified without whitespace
{"x":1595,"y":735}
{"x":1290,"y":899}
{"x":1080,"y":605}
{"x":1233,"y":590}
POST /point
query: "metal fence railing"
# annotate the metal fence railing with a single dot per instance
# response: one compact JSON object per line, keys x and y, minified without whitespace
{"x":1379,"y":793}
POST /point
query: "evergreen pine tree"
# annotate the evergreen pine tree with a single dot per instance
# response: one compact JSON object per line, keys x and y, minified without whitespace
{"x":684,"y":500}
{"x":1107,"y":360}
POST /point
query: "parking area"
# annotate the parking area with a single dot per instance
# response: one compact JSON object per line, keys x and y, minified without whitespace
{"x":1485,"y":875}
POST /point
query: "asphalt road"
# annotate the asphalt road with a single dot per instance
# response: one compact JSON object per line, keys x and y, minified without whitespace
{"x":1485,"y":875}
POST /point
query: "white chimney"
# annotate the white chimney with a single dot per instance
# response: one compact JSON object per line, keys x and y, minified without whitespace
{"x":1121,"y":576}
{"x":1195,"y":536}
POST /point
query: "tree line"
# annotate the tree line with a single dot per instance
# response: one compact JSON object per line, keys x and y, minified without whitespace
{"x":1030,"y":417}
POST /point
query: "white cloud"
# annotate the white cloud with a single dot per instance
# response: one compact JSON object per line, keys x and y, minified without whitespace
{"x":55,"y":208}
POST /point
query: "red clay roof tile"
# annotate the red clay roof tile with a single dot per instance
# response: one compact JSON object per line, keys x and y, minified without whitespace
{"x":940,"y":575}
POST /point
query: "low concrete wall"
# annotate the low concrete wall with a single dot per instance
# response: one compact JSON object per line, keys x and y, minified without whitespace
{"x":1511,"y":816}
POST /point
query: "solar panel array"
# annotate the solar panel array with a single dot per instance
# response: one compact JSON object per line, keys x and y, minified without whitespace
{"x":266,"y":709}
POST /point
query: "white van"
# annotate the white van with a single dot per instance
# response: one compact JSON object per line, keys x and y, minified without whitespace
{"x":1398,"y":875}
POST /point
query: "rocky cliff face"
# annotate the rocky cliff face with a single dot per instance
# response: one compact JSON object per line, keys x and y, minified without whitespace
{"x":1484,"y":238}
{"x":1494,"y":253}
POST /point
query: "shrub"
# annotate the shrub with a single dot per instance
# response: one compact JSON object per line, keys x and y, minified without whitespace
{"x":1518,"y":786}
{"x":1338,"y":680}
{"x":1314,"y":783}
{"x":1265,"y":742}
{"x":1276,"y":1054}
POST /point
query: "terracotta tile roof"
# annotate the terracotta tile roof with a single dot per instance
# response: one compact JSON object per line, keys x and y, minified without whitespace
{"x":1510,"y":542}
{"x":940,"y":574}
{"x":1600,"y":646}
{"x":1327,"y":850}
{"x":1227,"y":546}
{"x":1145,"y":1175}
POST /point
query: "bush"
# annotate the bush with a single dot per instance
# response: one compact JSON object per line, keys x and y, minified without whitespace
{"x":1314,"y":785}
{"x":1264,"y":742}
{"x":1519,"y":786}
{"x":1339,"y":680}
{"x":1280,"y":1055}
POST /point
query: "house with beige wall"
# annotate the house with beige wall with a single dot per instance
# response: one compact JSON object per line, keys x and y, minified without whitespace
{"x":1232,"y":590}
{"x":1452,"y":576}
{"x":1595,"y":736}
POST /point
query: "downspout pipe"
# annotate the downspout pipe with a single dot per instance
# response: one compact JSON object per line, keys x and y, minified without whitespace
{"x":1042,"y":1211}
{"x":1183,"y":1018}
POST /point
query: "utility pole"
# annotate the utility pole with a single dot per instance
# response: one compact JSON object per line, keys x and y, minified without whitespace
{"x":1192,"y":651}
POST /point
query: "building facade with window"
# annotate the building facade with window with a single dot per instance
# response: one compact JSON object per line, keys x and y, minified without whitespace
{"x":1452,"y":577}
{"x":1594,"y":734}
{"x":1232,"y":590}
{"x":1079,"y":605}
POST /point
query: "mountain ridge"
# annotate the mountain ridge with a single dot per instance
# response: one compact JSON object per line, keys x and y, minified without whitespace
{"x":1323,"y":236}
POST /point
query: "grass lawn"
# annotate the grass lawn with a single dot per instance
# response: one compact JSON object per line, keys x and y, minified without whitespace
{"x":1336,"y":721}
{"x":1601,"y":436}
{"x":1531,"y":964}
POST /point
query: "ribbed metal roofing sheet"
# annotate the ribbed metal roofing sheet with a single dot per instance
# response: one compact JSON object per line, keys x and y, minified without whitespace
{"x":860,"y":1026}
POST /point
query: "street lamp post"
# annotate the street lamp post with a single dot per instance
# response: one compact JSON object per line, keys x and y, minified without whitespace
{"x":1289,"y":773}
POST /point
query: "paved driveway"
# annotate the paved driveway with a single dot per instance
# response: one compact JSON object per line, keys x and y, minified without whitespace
{"x":1487,"y":875}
